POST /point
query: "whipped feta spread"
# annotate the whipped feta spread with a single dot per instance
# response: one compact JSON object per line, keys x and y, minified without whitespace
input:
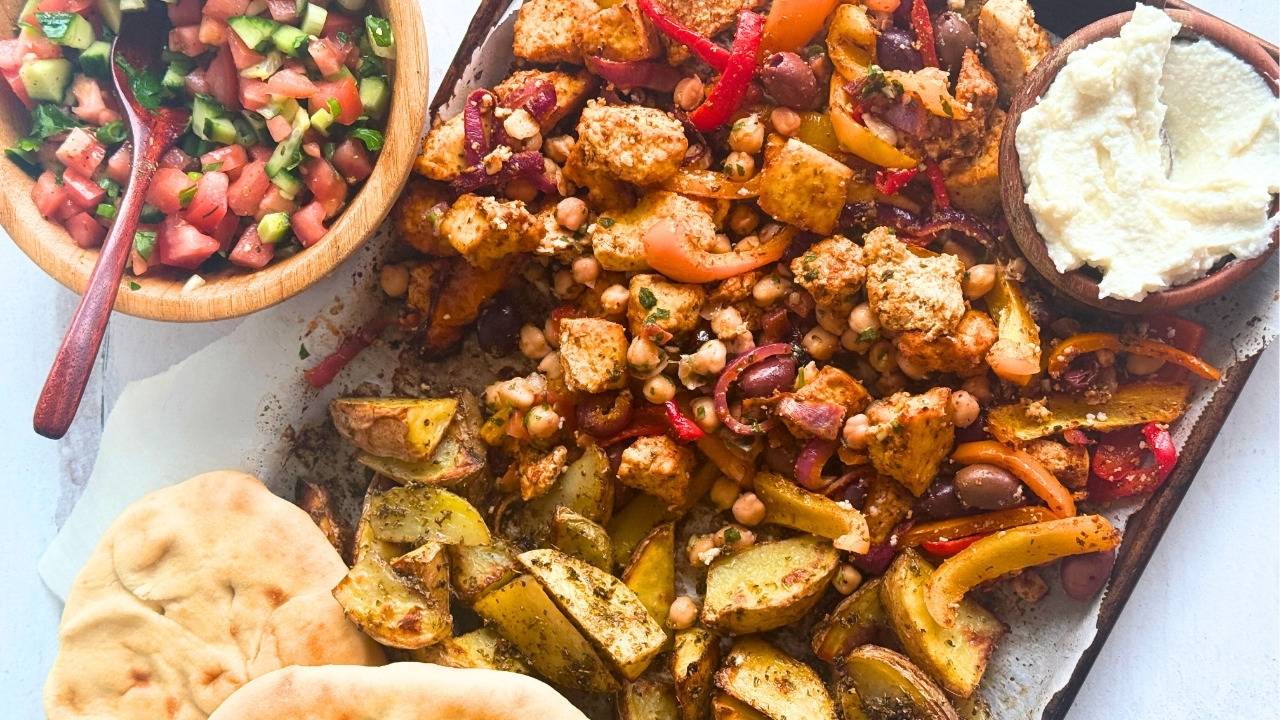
{"x":1151,"y":158}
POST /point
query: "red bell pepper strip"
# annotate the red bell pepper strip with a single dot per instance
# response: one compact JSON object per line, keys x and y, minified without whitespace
{"x":1117,"y":469}
{"x":324,"y":373}
{"x":727,"y":95}
{"x":706,"y":50}
{"x":1186,"y":335}
{"x":947,"y":548}
{"x":686,"y":429}
{"x":665,"y":419}
{"x":938,"y":183}
{"x":1161,"y":445}
{"x":923,"y":26}
{"x":890,"y":181}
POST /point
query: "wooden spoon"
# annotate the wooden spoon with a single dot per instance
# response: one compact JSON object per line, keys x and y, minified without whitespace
{"x":153,"y":130}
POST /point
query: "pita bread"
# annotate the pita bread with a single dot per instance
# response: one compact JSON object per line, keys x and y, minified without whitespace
{"x":193,"y":591}
{"x":403,"y":691}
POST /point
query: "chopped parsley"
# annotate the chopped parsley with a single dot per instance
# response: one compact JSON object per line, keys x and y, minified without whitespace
{"x":656,"y":315}
{"x":372,"y":139}
{"x":731,"y":535}
{"x":811,"y":275}
{"x":186,"y":195}
{"x":48,"y":120}
{"x":134,"y":286}
{"x":875,"y":81}
{"x":886,"y":275}
{"x":605,"y":222}
{"x":144,"y":241}
{"x":868,"y":335}
{"x":946,"y":107}
{"x":145,"y":85}
{"x":380,"y":31}
{"x":647,"y":299}
{"x":897,"y":426}
{"x":303,"y":353}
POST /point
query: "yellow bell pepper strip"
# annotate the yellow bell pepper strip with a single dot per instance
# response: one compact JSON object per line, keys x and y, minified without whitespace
{"x":738,"y":468}
{"x":1136,"y":404}
{"x":816,"y":131}
{"x":1076,"y":345}
{"x":793,"y":23}
{"x":851,"y":40}
{"x":1015,"y":356}
{"x":952,"y":528}
{"x":1025,"y":467}
{"x":711,"y":184}
{"x":1011,"y":550}
{"x":669,"y":250}
{"x":730,"y":90}
{"x":857,"y":139}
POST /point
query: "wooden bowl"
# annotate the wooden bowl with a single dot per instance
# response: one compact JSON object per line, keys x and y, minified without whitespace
{"x":1078,"y":284}
{"x":232,"y":292}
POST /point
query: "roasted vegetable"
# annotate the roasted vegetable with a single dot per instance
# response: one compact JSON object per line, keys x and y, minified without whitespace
{"x":415,"y":514}
{"x":585,"y":488}
{"x":1136,"y":404}
{"x":728,"y":707}
{"x":1010,"y":550}
{"x":971,"y":708}
{"x":484,"y":649}
{"x":1071,"y":348}
{"x":964,"y":526}
{"x":694,"y":659}
{"x":772,"y":682}
{"x":955,"y":656}
{"x":792,"y":506}
{"x":888,"y":503}
{"x":851,"y":40}
{"x":458,"y":458}
{"x":1024,"y":466}
{"x":405,"y":429}
{"x":633,"y":523}
{"x":575,"y":535}
{"x":393,"y":610}
{"x":477,"y":569}
{"x":652,"y":572}
{"x":647,"y":699}
{"x":768,"y":585}
{"x":858,"y":620}
{"x":319,"y":504}
{"x":879,"y":684}
{"x":1016,"y":355}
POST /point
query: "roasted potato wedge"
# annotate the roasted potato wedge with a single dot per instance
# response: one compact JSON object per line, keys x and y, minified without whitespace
{"x":391,"y":609}
{"x":694,"y":658}
{"x":585,"y":487}
{"x":790,"y":505}
{"x":728,"y":707}
{"x":956,"y":656}
{"x":652,"y":572}
{"x":858,"y":620}
{"x":575,"y":535}
{"x":484,"y":649}
{"x":1016,"y":355}
{"x":416,"y":514}
{"x":319,"y":504}
{"x":633,"y":523}
{"x":402,"y":428}
{"x":879,"y":684}
{"x":647,"y":699}
{"x":774,"y":683}
{"x":363,"y":540}
{"x":477,"y":569}
{"x":523,"y":613}
{"x":451,"y":464}
{"x":768,"y":585}
{"x":971,"y":708}
{"x":607,"y":612}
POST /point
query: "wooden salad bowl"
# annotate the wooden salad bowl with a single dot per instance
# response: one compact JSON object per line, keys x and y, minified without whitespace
{"x":232,"y":292}
{"x":1078,"y":284}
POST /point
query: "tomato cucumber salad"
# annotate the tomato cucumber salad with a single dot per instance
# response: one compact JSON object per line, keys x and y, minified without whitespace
{"x":288,"y":99}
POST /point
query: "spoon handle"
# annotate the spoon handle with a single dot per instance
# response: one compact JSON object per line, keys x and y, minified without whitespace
{"x":69,"y":374}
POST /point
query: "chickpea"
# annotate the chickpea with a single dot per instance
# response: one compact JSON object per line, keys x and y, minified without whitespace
{"x":735,"y":538}
{"x":549,"y":332}
{"x":881,"y":356}
{"x":533,"y":343}
{"x":659,"y":389}
{"x":722,"y":244}
{"x":748,"y":509}
{"x":520,"y":124}
{"x":517,"y":392}
{"x":1141,"y":364}
{"x":550,"y":366}
{"x":785,"y":121}
{"x":724,"y":493}
{"x":704,"y":413}
{"x":710,"y":358}
{"x":739,"y":166}
{"x":1105,"y":358}
{"x":855,"y":432}
{"x":892,"y":382}
{"x":394,"y":280}
{"x":585,"y":270}
{"x":742,"y":220}
{"x":830,"y":321}
{"x":770,"y":289}
{"x":643,"y":355}
{"x":542,"y":421}
{"x":689,"y":93}
{"x":978,"y":281}
{"x":847,"y":579}
{"x":747,"y":135}
{"x":979,"y":388}
{"x":964,"y":408}
{"x":699,"y":546}
{"x":571,"y":212}
{"x":520,"y":189}
{"x":563,"y":285}
{"x":727,"y":323}
{"x":750,"y":242}
{"x":559,"y":147}
{"x":820,"y":343}
{"x":863,"y":318}
{"x":683,"y":613}
{"x":849,"y":340}
{"x":614,"y":299}
{"x":953,"y":247}
{"x":910,"y":368}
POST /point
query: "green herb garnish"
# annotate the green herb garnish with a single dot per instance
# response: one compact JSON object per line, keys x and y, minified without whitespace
{"x":134,"y":286}
{"x":605,"y":222}
{"x":372,"y":139}
{"x":144,"y":241}
{"x":48,"y":120}
{"x":647,"y":299}
{"x":380,"y":31}
{"x":112,"y":133}
{"x":146,"y":86}
{"x":303,"y":353}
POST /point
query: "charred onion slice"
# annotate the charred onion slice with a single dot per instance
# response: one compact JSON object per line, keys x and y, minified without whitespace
{"x":727,"y":378}
{"x":809,"y":463}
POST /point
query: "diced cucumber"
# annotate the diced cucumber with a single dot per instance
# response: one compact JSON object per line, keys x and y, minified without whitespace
{"x":290,"y":185}
{"x":288,"y":153}
{"x":256,"y":32}
{"x":313,"y":19}
{"x":220,"y":130}
{"x":256,"y":126}
{"x":130,"y":5}
{"x":204,"y":110}
{"x":66,"y":28}
{"x":321,"y":120}
{"x":289,"y":40}
{"x":288,"y":107}
{"x":265,"y":68}
{"x":375,"y":96}
{"x":273,"y":226}
{"x":382,"y":39}
{"x":109,"y":10}
{"x":299,"y":8}
{"x":175,"y":76}
{"x":46,"y":79}
{"x":351,"y":5}
{"x":96,"y":60}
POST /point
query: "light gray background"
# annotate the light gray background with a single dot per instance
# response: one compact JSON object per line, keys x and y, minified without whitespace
{"x":1199,"y":638}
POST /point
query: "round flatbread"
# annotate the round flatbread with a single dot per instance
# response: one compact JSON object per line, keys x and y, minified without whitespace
{"x":193,"y":591}
{"x":402,"y":691}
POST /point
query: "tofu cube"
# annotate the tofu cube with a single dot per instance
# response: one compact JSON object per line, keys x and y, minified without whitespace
{"x":620,"y":33}
{"x":708,"y":18}
{"x":545,"y":29}
{"x":485,"y":230}
{"x":617,"y":238}
{"x":804,"y":186}
{"x":910,"y":436}
{"x":832,"y":270}
{"x":572,"y":90}
{"x":908,"y":292}
{"x":1014,"y":42}
{"x":443,"y":155}
{"x":974,"y":185}
{"x":634,"y":144}
{"x":593,"y":354}
{"x":659,"y":466}
{"x":674,"y":307}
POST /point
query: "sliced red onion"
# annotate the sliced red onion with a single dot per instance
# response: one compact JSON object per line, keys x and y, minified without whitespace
{"x":776,"y":326}
{"x":721,"y":395}
{"x":912,"y":228}
{"x":822,"y":419}
{"x":536,"y":96}
{"x":810,"y":461}
{"x":605,"y":414}
{"x":960,"y":221}
{"x":475,"y":142}
{"x":908,"y":117}
{"x":526,"y":165}
{"x":651,"y":74}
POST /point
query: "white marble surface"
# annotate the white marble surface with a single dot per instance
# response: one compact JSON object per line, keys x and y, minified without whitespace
{"x":1199,"y":638}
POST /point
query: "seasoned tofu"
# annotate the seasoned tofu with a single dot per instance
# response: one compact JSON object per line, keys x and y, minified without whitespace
{"x":620,"y":33}
{"x":634,"y":144}
{"x":804,"y":186}
{"x":485,"y":230}
{"x":963,"y":352}
{"x":555,"y":240}
{"x":417,"y":214}
{"x":735,"y":289}
{"x":659,"y":466}
{"x":976,"y":90}
{"x":618,"y":237}
{"x":572,"y":90}
{"x":833,"y":272}
{"x":672,"y":306}
{"x":1014,"y":42}
{"x":544,"y":31}
{"x":974,"y":185}
{"x":887,"y":505}
{"x":1068,"y":463}
{"x":830,"y":385}
{"x":593,"y":354}
{"x":708,"y":18}
{"x":538,"y":472}
{"x":907,"y":292}
{"x":443,"y":155}
{"x":910,"y":436}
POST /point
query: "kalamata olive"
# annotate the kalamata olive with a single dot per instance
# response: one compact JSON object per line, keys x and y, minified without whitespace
{"x":895,"y":50}
{"x":951,"y":37}
{"x":1084,"y":575}
{"x":940,"y":501}
{"x":876,"y":561}
{"x":852,"y":488}
{"x":974,"y":431}
{"x":781,"y":458}
{"x":776,"y":374}
{"x":988,"y":487}
{"x":498,"y":326}
{"x":605,"y":414}
{"x":790,"y":81}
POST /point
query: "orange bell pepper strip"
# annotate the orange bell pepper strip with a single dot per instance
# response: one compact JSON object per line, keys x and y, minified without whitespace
{"x":952,"y":528}
{"x":737,"y":468}
{"x":1025,"y":467}
{"x":1077,"y":345}
{"x":711,"y":184}
{"x":791,"y":24}
{"x":669,"y":250}
{"x":1011,"y":550}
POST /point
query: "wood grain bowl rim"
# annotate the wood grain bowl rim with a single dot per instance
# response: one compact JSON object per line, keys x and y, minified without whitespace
{"x":1076,"y":283}
{"x":230,"y":293}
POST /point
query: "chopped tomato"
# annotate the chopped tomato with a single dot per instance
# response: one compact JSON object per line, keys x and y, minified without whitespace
{"x":223,"y":9}
{"x":253,"y":94}
{"x":279,"y":128}
{"x":84,"y":230}
{"x":66,"y":210}
{"x":329,"y":54}
{"x":196,"y":83}
{"x":275,"y":201}
{"x":180,"y":244}
{"x":213,"y":32}
{"x":91,"y":104}
{"x":345,"y":92}
{"x":166,"y":186}
{"x":47,"y":194}
{"x":185,"y":39}
{"x":81,"y":152}
{"x":328,"y":187}
{"x":228,"y":159}
{"x":185,"y":12}
{"x":225,"y":233}
{"x":283,"y":10}
{"x":243,"y":55}
{"x":10,"y":64}
{"x":260,"y":152}
{"x":209,"y":205}
{"x":176,"y":158}
{"x":248,"y":190}
{"x":250,"y":251}
{"x":291,"y":83}
{"x":352,"y":160}
{"x":308,"y":224}
{"x":81,"y":190}
{"x":1122,"y":466}
{"x":336,"y":23}
{"x":35,"y":43}
{"x":224,"y":80}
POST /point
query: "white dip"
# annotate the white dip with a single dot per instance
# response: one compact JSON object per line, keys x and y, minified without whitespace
{"x":1103,"y":190}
